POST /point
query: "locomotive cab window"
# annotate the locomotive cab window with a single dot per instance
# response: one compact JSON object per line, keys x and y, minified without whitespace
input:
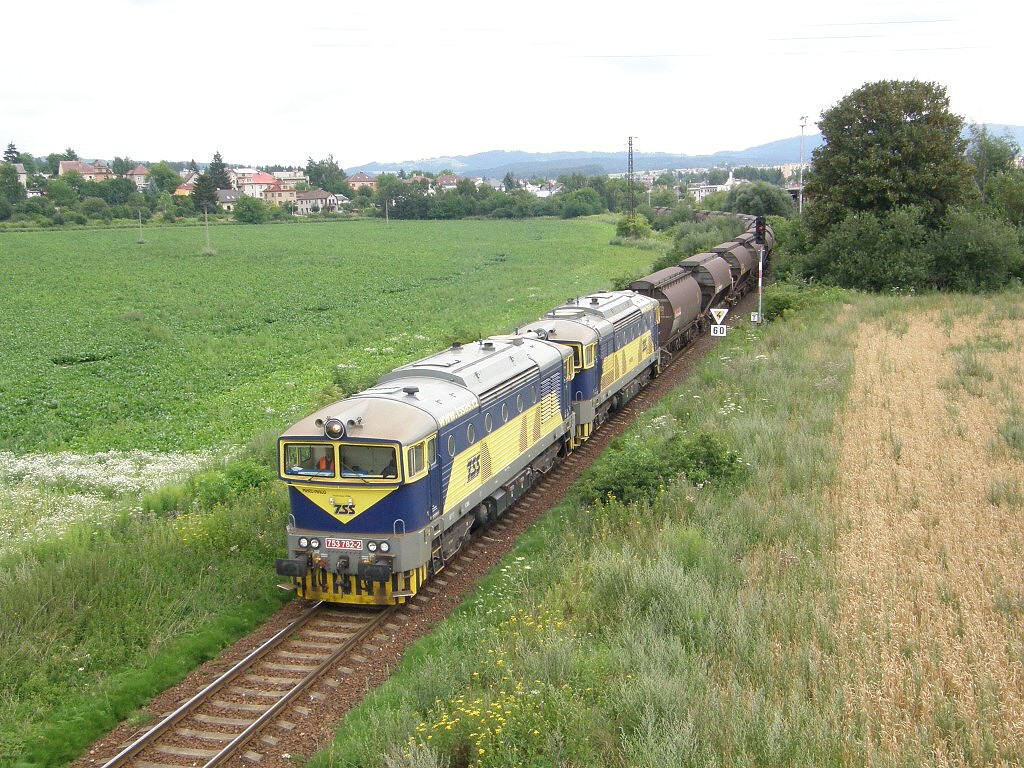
{"x":309,"y":459}
{"x":368,"y":461}
{"x":416,"y":461}
{"x":577,"y":356}
{"x":588,"y":355}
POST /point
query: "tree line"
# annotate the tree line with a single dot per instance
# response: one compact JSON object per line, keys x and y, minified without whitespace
{"x":70,"y":199}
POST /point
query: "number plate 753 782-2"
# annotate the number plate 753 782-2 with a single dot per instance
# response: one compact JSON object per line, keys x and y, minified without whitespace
{"x":344,"y":544}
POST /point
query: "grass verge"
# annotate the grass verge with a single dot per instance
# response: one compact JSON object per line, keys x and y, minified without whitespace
{"x":667,"y":619}
{"x":99,"y":620}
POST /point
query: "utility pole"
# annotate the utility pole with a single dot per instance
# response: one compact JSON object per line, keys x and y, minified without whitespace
{"x":629,"y":179}
{"x":803,"y":123}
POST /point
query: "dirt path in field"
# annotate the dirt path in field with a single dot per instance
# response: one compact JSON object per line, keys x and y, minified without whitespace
{"x":931,"y":560}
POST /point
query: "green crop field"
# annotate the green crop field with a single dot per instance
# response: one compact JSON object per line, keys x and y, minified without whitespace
{"x":125,"y":365}
{"x":141,"y":389}
{"x":112,"y":344}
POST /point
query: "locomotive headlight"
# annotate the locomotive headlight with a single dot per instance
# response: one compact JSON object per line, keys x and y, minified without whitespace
{"x":385,"y":547}
{"x":303,"y":542}
{"x":314,"y":543}
{"x":372,"y":546}
{"x":334,"y":429}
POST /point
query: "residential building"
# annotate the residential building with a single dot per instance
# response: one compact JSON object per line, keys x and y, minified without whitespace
{"x":138,"y":174}
{"x":316,"y":200}
{"x":240,"y":176}
{"x":277,"y":193}
{"x":548,"y":188}
{"x":226,"y":198}
{"x":446,"y":182}
{"x":96,"y":171}
{"x":362,"y":179}
{"x":291,"y":178}
{"x":700,"y":191}
{"x":255,"y":184}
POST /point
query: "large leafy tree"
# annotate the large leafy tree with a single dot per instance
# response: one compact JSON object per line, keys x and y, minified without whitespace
{"x":251,"y":210}
{"x":887,"y":145}
{"x":10,"y":189}
{"x":326,"y":174}
{"x":122,"y":165}
{"x":990,"y":155}
{"x":760,"y":199}
{"x":163,"y":178}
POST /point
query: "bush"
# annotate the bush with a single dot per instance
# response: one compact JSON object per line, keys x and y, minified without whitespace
{"x":638,"y":468}
{"x":875,"y":253}
{"x":582,"y":202}
{"x":635,"y":226}
{"x":97,"y":208}
{"x":249,"y":210}
{"x":975,"y":251}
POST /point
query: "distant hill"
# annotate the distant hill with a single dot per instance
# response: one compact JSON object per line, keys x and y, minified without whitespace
{"x":495,"y":164}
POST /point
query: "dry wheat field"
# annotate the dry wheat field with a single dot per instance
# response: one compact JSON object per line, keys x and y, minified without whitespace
{"x":931,"y":554}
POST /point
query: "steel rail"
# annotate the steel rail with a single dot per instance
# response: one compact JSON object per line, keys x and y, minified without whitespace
{"x":242,"y":738}
{"x":164,"y":725}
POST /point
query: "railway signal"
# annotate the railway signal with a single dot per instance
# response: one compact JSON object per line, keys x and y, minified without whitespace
{"x":759,"y":230}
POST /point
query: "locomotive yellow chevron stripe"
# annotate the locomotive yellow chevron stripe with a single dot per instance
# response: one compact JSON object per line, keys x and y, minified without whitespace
{"x":345,"y":504}
{"x":487,"y":457}
{"x":626,"y":359}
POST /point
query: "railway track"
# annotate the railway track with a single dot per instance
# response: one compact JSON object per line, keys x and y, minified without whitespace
{"x":235,"y":715}
{"x":242,"y":719}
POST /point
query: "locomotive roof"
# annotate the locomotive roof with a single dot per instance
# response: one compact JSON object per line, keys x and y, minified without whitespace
{"x":384,"y":416}
{"x":417,"y":399}
{"x":478,"y":367}
{"x":587,"y":319}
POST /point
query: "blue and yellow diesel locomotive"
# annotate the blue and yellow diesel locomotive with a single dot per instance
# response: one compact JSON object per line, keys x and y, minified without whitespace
{"x":385,"y":486}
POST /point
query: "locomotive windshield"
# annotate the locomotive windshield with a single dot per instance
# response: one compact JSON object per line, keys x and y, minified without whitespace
{"x":309,"y":459}
{"x":352,"y":460}
{"x":356,"y":460}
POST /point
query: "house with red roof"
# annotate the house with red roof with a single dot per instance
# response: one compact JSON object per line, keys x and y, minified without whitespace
{"x":255,"y":184}
{"x":96,"y":171}
{"x":362,"y":179}
{"x":279,"y":194}
{"x":138,"y":174}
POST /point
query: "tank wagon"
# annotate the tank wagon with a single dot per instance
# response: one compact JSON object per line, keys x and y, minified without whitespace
{"x":687,"y":292}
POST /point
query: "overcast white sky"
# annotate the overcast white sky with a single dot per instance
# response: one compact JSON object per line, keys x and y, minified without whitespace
{"x":279,"y":82}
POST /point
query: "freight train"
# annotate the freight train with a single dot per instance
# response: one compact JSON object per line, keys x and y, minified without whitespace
{"x":386,"y":486}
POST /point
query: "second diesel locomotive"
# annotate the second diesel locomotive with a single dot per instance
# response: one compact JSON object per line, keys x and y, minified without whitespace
{"x":386,"y":485}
